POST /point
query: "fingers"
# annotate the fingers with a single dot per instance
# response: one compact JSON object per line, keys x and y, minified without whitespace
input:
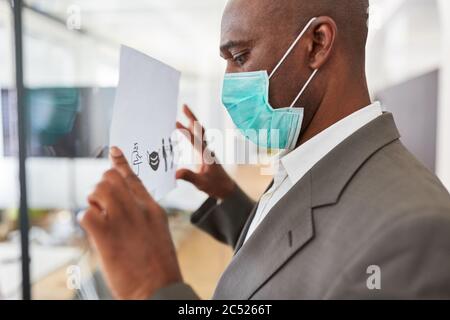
{"x":93,"y":221}
{"x":187,"y":111}
{"x":195,"y":133}
{"x":111,"y":194}
{"x":189,"y":176}
{"x":195,"y":127}
{"x":105,"y":199}
{"x":115,"y":179}
{"x":198,"y":143}
{"x":182,"y":128}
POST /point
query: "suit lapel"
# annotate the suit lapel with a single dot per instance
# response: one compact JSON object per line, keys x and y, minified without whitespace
{"x":331,"y":175}
{"x":289,"y":226}
{"x":285,"y":230}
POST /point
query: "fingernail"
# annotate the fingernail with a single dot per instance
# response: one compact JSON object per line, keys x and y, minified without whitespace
{"x":115,"y":152}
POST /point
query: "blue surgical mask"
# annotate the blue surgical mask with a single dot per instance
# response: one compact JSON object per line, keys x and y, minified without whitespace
{"x":245,"y":95}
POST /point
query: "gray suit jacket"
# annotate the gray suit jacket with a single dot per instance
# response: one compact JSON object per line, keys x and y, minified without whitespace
{"x":367,"y":203}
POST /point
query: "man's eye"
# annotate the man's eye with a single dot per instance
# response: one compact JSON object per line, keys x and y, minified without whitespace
{"x":240,"y":59}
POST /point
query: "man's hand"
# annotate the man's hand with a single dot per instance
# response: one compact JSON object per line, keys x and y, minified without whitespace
{"x":130,"y":231}
{"x":211,"y":177}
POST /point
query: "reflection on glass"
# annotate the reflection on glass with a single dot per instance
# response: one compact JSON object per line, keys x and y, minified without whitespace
{"x":62,"y":122}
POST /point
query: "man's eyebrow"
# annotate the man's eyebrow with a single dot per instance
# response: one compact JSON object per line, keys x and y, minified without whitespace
{"x":233,"y":43}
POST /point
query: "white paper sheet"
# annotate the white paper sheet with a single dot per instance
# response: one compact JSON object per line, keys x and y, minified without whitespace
{"x":144,"y":119}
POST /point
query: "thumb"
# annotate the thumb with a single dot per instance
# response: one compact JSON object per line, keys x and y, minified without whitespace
{"x":120,"y":163}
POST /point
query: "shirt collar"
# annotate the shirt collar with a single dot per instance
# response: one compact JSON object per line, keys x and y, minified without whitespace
{"x":299,"y":161}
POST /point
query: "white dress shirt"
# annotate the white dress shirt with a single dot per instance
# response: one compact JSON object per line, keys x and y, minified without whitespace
{"x":294,"y":165}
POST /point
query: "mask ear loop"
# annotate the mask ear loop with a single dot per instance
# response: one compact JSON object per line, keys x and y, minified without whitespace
{"x":292,"y":46}
{"x":304,"y":88}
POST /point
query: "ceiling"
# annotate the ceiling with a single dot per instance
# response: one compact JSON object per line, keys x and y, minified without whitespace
{"x":182,"y":33}
{"x":404,"y":38}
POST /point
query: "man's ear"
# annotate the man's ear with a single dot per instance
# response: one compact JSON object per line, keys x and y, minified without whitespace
{"x":323,"y":40}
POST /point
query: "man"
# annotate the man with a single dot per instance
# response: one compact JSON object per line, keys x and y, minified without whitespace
{"x":350,"y":213}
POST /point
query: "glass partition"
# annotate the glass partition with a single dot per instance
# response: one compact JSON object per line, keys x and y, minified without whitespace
{"x":71,"y":56}
{"x":10,"y":254}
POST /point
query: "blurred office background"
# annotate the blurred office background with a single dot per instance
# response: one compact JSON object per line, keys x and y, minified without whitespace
{"x":71,"y":58}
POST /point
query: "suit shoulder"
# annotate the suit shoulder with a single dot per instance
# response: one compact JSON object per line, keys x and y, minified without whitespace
{"x":396,"y":181}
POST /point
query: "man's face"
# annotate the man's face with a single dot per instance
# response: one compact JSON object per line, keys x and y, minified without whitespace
{"x":255,"y":36}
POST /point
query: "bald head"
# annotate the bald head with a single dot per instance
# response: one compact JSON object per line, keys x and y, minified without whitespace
{"x":257,"y":33}
{"x":286,"y":18}
{"x":351,"y":16}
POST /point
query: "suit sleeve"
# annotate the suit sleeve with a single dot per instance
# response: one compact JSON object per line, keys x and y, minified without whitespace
{"x":413,"y":259}
{"x":176,"y":291}
{"x":226,"y":220}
